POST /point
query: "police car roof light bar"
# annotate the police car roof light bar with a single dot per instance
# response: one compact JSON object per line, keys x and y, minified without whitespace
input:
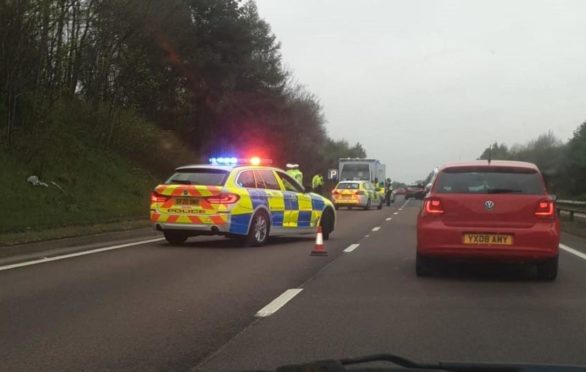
{"x":255,"y":160}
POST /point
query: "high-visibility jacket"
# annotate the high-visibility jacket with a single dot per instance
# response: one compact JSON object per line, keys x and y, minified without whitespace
{"x":317,"y":181}
{"x":297,"y":175}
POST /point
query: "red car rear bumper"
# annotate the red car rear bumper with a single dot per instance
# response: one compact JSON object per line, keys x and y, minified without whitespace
{"x":538,"y":242}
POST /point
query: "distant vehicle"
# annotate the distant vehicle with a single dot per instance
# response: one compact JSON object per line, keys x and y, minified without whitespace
{"x":496,"y":211}
{"x":430,"y":179}
{"x":237,"y":199}
{"x":358,"y":169}
{"x":415,"y":191}
{"x":360,"y":194}
{"x":400,"y":191}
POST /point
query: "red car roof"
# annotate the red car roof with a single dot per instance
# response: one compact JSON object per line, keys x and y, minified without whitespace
{"x":493,"y":163}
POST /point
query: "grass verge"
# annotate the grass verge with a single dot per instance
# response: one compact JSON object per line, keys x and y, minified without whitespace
{"x":11,"y":239}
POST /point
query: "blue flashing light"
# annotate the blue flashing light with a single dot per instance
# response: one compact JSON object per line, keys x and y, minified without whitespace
{"x":224,"y":161}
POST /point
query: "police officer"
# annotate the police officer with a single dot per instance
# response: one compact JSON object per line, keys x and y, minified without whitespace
{"x":294,"y":171}
{"x":388,"y":191}
{"x":317,"y":183}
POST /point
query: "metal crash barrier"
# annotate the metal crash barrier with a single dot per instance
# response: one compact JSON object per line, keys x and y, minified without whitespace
{"x":571,"y":207}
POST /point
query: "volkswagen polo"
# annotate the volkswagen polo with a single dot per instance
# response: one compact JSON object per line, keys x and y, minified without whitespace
{"x":497,"y":210}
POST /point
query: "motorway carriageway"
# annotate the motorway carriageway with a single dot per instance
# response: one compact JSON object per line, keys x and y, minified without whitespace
{"x":142,"y":305}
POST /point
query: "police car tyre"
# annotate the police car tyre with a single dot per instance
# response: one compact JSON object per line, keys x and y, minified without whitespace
{"x":423,"y":266}
{"x":175,"y":237}
{"x":258,"y":233}
{"x":548,"y":270}
{"x":327,"y":223}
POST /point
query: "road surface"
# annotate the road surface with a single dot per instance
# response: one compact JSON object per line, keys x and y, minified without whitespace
{"x":154,"y":307}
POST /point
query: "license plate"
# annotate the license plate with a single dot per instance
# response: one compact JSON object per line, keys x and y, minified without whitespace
{"x":488,"y":239}
{"x":346,"y":196}
{"x":186,"y":201}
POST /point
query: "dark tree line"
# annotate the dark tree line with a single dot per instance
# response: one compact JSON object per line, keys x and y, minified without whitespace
{"x":208,"y":71}
{"x":563,"y":164}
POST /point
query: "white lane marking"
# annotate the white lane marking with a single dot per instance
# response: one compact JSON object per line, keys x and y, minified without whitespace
{"x":388,"y":218}
{"x":77,"y":254}
{"x":573,"y":251}
{"x":278,"y":303}
{"x":351,"y":248}
{"x":376,"y":228}
{"x":367,"y":236}
{"x":396,"y":213}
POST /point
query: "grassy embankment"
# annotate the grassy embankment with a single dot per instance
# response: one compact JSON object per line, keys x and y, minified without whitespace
{"x":105,"y":169}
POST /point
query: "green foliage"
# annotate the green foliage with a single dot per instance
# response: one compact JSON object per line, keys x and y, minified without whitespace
{"x":563,"y":165}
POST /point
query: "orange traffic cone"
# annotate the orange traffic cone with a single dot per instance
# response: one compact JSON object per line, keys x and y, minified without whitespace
{"x":319,"y":249}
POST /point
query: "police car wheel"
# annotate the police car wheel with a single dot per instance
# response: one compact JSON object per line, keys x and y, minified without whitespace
{"x":258,"y":233}
{"x":175,"y":237}
{"x":327,"y":223}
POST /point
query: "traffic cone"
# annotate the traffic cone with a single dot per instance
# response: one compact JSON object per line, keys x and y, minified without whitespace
{"x":320,"y":248}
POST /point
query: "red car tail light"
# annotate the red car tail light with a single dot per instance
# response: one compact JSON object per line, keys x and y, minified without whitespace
{"x":158,"y":198}
{"x":359,"y":192}
{"x":335,"y":192}
{"x":223,"y":199}
{"x":433,"y":207}
{"x":545,"y":209}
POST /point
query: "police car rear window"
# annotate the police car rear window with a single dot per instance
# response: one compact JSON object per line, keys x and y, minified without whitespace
{"x":204,"y":177}
{"x":348,"y":185}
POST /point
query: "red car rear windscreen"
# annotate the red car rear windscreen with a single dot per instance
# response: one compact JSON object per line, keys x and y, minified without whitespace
{"x":493,"y":180}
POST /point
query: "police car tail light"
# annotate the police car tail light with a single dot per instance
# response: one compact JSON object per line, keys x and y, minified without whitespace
{"x":158,"y":198}
{"x":545,"y":208}
{"x":433,"y":207}
{"x":359,"y":192}
{"x":224,"y":198}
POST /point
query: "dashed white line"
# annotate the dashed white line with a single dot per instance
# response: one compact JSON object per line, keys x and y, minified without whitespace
{"x":573,"y":251}
{"x":396,"y":213}
{"x":278,"y":303}
{"x":351,"y":248}
{"x":388,"y":218}
{"x":376,"y":228}
{"x":77,"y":254}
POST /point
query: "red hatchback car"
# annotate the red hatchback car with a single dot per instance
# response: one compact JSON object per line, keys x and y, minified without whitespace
{"x":496,"y":211}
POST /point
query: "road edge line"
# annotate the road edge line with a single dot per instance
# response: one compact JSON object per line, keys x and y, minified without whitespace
{"x":573,"y":251}
{"x":77,"y":254}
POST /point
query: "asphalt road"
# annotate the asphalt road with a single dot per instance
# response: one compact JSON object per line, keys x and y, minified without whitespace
{"x":156,"y":307}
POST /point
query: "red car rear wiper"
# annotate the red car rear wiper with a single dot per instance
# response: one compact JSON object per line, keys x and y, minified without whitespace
{"x":503,"y":191}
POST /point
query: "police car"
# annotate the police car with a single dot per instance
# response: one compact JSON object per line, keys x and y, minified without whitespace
{"x":361,"y":194}
{"x":237,"y":198}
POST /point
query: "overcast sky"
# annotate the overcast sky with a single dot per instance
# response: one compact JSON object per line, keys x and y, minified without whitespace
{"x":420,"y":83}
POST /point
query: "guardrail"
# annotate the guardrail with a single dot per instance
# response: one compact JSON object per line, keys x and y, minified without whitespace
{"x":570,"y":206}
